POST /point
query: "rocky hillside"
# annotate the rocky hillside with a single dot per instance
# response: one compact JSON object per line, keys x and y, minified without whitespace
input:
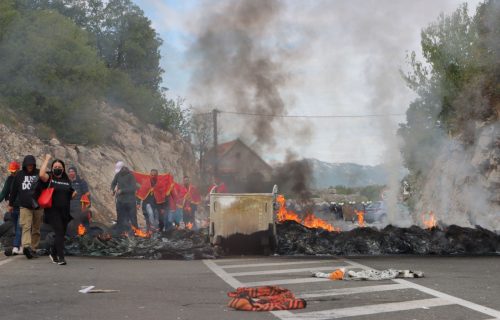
{"x":464,"y":185}
{"x":141,"y":146}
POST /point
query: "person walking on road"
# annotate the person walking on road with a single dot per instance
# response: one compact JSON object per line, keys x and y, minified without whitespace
{"x":58,"y":215}
{"x":5,"y":195}
{"x":23,"y":194}
{"x":124,"y":187}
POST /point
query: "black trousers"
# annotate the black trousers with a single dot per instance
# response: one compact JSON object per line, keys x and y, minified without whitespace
{"x":58,"y":219}
{"x":126,"y":215}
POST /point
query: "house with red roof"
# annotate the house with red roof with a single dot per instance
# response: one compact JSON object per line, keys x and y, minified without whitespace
{"x":241,"y":168}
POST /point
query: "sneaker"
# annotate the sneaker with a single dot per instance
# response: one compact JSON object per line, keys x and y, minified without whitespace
{"x":8,"y":252}
{"x":28,"y":253}
{"x":53,"y":258}
{"x":61,"y":262}
{"x":16,"y":250}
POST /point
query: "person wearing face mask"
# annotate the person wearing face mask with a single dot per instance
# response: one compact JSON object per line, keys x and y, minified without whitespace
{"x":58,"y":215}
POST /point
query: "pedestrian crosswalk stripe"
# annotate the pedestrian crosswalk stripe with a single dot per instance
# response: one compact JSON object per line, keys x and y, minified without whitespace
{"x":284,"y":281}
{"x":275,"y":264}
{"x":354,"y":290}
{"x":366,"y":310}
{"x":264,"y":272}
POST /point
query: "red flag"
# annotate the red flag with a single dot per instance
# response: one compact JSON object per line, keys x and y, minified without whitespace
{"x":160,"y":190}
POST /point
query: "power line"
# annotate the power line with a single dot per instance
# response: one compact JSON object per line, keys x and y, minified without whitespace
{"x":310,"y":116}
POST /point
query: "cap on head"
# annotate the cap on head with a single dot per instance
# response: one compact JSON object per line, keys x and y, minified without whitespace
{"x":14,"y":166}
{"x":118,"y":166}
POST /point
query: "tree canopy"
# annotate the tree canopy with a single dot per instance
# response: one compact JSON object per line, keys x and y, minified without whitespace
{"x":457,"y":84}
{"x":60,"y":59}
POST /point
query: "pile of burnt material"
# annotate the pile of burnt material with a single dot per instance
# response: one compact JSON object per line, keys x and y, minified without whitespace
{"x":102,"y":241}
{"x":295,"y":239}
{"x":176,"y":244}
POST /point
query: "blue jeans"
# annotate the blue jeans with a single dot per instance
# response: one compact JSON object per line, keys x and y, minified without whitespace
{"x":173,"y":217}
{"x":17,"y":227}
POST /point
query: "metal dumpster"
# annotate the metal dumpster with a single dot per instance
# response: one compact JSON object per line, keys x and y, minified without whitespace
{"x":243,"y":214}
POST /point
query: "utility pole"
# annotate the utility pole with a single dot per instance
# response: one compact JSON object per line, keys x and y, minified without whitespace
{"x":216,"y":143}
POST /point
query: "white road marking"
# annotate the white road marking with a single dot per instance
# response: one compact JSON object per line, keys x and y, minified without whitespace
{"x":284,"y":281}
{"x":222,"y":274}
{"x":439,"y":294}
{"x":440,"y":300}
{"x":366,"y":310}
{"x":235,"y":283}
{"x":272,"y":264}
{"x":264,"y":272}
{"x":7,"y":260}
{"x":354,"y":290}
{"x":239,"y":259}
{"x":459,"y":301}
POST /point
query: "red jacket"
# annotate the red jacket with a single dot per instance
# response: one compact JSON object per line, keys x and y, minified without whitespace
{"x":192,"y":196}
{"x":176,"y":196}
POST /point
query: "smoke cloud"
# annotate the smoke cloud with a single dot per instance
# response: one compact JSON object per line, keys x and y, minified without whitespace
{"x":239,"y":66}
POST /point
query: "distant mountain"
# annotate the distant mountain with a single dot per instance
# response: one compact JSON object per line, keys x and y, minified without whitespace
{"x":348,"y":174}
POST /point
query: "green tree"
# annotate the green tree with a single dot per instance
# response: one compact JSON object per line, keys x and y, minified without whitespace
{"x":456,"y":85}
{"x":8,"y":14}
{"x":51,"y":73}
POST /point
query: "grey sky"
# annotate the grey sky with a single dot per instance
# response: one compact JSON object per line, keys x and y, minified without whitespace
{"x":341,"y":57}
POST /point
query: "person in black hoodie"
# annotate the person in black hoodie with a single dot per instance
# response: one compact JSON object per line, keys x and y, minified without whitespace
{"x":23,"y":194}
{"x":124,"y":187}
{"x":58,"y":215}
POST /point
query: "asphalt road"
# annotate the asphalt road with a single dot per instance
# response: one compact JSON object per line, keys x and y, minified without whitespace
{"x":454,"y":288}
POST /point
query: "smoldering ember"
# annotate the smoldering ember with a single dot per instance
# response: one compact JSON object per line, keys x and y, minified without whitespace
{"x":293,"y":238}
{"x":249,"y":159}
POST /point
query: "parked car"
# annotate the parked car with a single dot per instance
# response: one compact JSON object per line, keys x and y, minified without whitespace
{"x":375,"y":212}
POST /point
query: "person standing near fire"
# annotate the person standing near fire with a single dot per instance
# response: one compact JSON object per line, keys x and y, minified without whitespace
{"x":175,"y":204}
{"x":124,"y":187}
{"x":80,"y":204}
{"x":191,"y":202}
{"x":58,"y":215}
{"x":23,"y":194}
{"x":4,"y":195}
{"x":151,"y":193}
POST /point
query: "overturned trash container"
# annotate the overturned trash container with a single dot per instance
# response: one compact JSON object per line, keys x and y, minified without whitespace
{"x":243,"y":223}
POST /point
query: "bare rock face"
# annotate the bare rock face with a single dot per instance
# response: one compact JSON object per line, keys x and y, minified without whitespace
{"x":464,"y":186}
{"x":142,"y":147}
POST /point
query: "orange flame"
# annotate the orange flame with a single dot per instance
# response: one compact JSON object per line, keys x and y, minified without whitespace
{"x":429,"y":222}
{"x":81,"y":230}
{"x":310,"y":220}
{"x":361,"y":217}
{"x":283,"y":213}
{"x":139,"y":233}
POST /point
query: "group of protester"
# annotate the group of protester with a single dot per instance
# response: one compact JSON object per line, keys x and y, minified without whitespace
{"x":22,"y":190}
{"x":165,"y":203}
